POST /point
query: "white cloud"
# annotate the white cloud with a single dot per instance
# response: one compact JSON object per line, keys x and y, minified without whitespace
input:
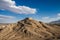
{"x":58,"y":14}
{"x":11,"y":6}
{"x":45,"y":17}
{"x":49,"y":19}
{"x":6,"y":17}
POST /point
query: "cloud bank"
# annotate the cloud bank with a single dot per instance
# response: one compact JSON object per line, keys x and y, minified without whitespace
{"x":6,"y":19}
{"x":11,"y":6}
{"x":49,"y":19}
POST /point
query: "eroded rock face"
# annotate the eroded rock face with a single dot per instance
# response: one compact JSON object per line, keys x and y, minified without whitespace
{"x":29,"y":29}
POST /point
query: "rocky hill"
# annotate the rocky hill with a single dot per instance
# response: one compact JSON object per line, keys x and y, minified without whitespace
{"x":29,"y":29}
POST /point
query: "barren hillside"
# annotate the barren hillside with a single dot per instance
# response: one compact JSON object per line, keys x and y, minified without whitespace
{"x":29,"y":29}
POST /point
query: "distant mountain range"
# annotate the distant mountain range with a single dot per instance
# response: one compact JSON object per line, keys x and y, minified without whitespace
{"x":55,"y":22}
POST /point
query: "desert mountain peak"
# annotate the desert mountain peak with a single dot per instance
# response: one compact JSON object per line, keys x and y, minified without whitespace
{"x":29,"y":25}
{"x":29,"y":18}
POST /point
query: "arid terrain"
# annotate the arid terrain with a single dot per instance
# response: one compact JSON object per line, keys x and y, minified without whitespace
{"x":29,"y":29}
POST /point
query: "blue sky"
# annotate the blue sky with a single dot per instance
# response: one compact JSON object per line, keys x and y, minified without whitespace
{"x":43,"y":10}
